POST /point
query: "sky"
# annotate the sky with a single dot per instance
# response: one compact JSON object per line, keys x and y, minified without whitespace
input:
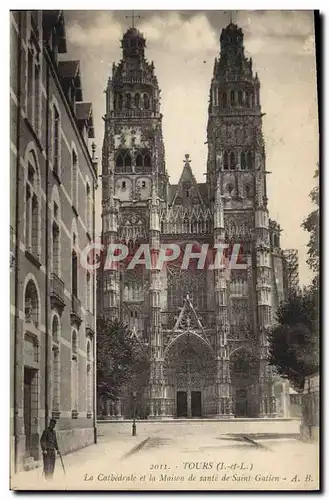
{"x":183,"y":46}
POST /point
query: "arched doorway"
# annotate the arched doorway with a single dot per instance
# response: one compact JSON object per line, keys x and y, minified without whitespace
{"x":189,"y":373}
{"x":244,"y":369}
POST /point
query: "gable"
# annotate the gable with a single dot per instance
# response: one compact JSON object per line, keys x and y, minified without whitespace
{"x":187,"y":191}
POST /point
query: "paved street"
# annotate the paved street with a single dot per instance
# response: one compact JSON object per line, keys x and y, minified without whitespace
{"x":184,"y":455}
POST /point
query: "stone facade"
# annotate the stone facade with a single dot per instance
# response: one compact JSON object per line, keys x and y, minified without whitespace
{"x":205,"y":330}
{"x":53,"y":182}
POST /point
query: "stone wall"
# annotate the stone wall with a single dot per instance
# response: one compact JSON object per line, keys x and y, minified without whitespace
{"x":311,"y":409}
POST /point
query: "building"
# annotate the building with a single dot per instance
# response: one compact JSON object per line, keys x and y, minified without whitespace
{"x":53,"y":182}
{"x":205,"y":329}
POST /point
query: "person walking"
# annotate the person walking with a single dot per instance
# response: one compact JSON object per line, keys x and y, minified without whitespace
{"x":49,"y":447}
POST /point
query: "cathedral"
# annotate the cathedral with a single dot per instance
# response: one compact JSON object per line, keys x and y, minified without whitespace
{"x":204,"y":329}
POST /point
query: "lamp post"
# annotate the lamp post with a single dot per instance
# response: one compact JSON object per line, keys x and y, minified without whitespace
{"x":134,"y":414}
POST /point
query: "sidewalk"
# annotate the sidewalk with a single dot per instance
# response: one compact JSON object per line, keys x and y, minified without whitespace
{"x":77,"y":464}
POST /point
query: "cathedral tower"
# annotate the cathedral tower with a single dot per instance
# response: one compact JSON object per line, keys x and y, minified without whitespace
{"x":236,"y":161}
{"x":133,"y":179}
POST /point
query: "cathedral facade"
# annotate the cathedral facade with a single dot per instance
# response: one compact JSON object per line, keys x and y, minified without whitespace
{"x":204,"y":327}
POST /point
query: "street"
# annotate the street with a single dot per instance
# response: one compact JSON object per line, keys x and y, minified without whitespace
{"x":184,"y":456}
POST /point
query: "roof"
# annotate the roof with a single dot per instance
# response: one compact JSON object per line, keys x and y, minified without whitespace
{"x":69,"y":69}
{"x":84,"y":112}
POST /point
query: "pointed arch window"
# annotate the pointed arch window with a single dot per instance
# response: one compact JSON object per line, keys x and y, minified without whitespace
{"x":243,"y":161}
{"x":123,"y":161}
{"x":139,"y":160}
{"x":143,"y":161}
{"x":232,"y":161}
{"x":147,"y":160}
{"x":128,"y":101}
{"x":146,"y":101}
{"x":247,"y":100}
{"x":249,"y":160}
{"x":226,"y":164}
{"x":224,"y":100}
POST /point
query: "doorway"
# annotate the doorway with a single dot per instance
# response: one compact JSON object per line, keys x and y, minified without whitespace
{"x":196,"y":410}
{"x":241,"y":403}
{"x":29,"y":375}
{"x":181,"y":404}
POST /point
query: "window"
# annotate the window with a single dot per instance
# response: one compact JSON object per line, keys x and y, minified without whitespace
{"x":32,"y":217}
{"x":243,"y":161}
{"x":89,"y":210}
{"x":143,"y":161}
{"x":232,"y":96}
{"x":89,"y":383}
{"x":247,"y":190}
{"x":33,"y":87}
{"x":88,"y":291}
{"x":226,"y":164}
{"x":56,"y":141}
{"x":56,"y":248}
{"x":123,"y":161}
{"x":232,"y":161}
{"x":143,"y":184}
{"x":31,"y":302}
{"x":123,"y":185}
{"x":240,"y":98}
{"x":74,"y":273}
{"x":74,"y":179}
{"x":187,"y":193}
{"x":137,"y":100}
{"x":139,"y":160}
{"x":74,"y":372}
{"x":249,"y":160}
{"x":147,"y":160}
{"x":224,"y":100}
{"x":146,"y":101}
{"x":128,"y":101}
{"x":56,"y":366}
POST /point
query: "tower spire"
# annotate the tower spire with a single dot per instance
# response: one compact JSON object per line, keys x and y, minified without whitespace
{"x":133,"y":17}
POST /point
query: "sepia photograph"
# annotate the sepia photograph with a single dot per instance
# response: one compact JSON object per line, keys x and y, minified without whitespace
{"x":164,"y":250}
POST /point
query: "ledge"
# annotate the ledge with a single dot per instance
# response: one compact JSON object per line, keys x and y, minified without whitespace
{"x":33,"y":258}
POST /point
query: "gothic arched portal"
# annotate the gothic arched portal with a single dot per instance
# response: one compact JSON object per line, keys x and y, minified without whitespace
{"x":189,"y":377}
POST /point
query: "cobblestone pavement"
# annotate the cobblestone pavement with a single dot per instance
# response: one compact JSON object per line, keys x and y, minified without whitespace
{"x":186,"y":456}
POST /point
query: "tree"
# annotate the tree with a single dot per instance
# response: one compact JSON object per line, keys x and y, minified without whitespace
{"x":293,"y":342}
{"x":311,"y":224}
{"x":121,"y":360}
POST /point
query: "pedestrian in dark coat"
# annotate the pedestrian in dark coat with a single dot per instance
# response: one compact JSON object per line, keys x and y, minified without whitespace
{"x":49,"y":447}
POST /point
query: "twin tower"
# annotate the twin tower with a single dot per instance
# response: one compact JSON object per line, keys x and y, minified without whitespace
{"x":203,"y":330}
